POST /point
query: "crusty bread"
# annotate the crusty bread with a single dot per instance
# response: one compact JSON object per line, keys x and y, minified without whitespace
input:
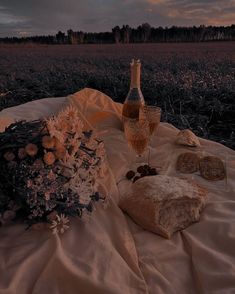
{"x":163,"y":204}
{"x":187,"y":162}
{"x":212,"y":168}
{"x":187,"y":138}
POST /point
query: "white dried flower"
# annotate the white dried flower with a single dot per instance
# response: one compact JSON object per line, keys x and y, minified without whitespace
{"x":60,"y":225}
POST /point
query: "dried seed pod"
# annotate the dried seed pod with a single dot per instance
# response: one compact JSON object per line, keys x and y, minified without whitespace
{"x":9,"y":156}
{"x":22,"y":153}
{"x":31,"y":149}
{"x":58,"y":144}
{"x":48,"y":142}
{"x":60,"y":153}
{"x":49,"y":158}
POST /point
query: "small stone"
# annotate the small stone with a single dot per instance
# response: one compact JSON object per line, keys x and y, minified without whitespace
{"x":130,"y":174}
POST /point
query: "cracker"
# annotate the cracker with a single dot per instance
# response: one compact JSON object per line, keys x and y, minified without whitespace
{"x":187,"y":163}
{"x":212,"y":168}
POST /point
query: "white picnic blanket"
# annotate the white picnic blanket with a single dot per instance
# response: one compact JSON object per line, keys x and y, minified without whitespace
{"x":111,"y":254}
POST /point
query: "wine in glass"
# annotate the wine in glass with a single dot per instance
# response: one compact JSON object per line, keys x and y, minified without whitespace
{"x":152,"y":114}
{"x":137,"y":134}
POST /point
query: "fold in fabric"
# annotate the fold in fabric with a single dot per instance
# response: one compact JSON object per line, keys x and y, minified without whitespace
{"x":110,"y":253}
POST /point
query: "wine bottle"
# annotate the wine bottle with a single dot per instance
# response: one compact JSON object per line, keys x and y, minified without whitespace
{"x":135,"y":98}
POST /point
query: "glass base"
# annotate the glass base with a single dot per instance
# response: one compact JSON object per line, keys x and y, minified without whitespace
{"x":142,"y":159}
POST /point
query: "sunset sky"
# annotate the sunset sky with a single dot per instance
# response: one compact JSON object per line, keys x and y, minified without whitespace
{"x":37,"y":17}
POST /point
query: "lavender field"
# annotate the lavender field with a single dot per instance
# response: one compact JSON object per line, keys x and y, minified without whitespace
{"x":193,"y":83}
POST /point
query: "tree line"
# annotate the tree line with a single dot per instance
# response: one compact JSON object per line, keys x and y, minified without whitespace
{"x":142,"y":34}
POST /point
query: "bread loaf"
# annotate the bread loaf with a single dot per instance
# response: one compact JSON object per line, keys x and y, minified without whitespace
{"x":163,"y":204}
{"x":187,"y":138}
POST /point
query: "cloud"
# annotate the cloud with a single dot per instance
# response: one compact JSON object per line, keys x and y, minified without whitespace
{"x":196,"y":12}
{"x":155,"y":2}
{"x":222,"y":19}
{"x":35,"y":17}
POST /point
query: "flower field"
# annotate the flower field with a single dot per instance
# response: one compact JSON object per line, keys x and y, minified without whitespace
{"x":194,"y":83}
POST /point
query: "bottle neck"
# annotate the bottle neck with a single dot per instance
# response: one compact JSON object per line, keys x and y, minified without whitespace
{"x":135,"y":75}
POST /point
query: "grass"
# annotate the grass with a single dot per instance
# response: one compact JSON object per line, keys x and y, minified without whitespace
{"x":193,"y":83}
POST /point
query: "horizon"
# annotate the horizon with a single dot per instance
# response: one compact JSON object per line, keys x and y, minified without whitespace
{"x":41,"y":19}
{"x":89,"y":32}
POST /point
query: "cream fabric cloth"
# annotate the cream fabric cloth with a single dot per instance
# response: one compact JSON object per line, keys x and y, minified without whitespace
{"x":111,"y":254}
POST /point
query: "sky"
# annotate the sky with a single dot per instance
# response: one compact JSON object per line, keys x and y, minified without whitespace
{"x":46,"y":17}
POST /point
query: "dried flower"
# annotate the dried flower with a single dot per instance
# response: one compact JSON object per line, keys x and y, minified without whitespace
{"x":48,"y":142}
{"x":52,"y":216}
{"x":66,"y":122}
{"x":22,"y":153}
{"x":49,"y":158}
{"x":60,"y":224}
{"x":9,"y":156}
{"x":38,"y":164}
{"x":31,"y":149}
{"x":58,"y":144}
{"x":43,"y":130}
{"x":65,"y":126}
{"x":51,"y":176}
{"x":60,"y":180}
{"x":60,"y":152}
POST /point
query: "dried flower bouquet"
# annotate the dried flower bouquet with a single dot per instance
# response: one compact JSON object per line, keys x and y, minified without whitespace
{"x":49,"y":171}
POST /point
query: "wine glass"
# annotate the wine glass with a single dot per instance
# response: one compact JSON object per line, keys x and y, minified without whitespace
{"x":152,"y":114}
{"x":137,"y":133}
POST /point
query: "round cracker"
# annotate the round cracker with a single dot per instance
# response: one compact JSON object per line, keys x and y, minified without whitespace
{"x":187,"y":163}
{"x":212,"y":168}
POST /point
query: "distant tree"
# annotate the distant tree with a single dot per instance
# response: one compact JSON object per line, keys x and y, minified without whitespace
{"x":145,"y":32}
{"x":141,"y":34}
{"x":60,"y":37}
{"x":117,"y":34}
{"x":125,"y":34}
{"x":72,"y":39}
